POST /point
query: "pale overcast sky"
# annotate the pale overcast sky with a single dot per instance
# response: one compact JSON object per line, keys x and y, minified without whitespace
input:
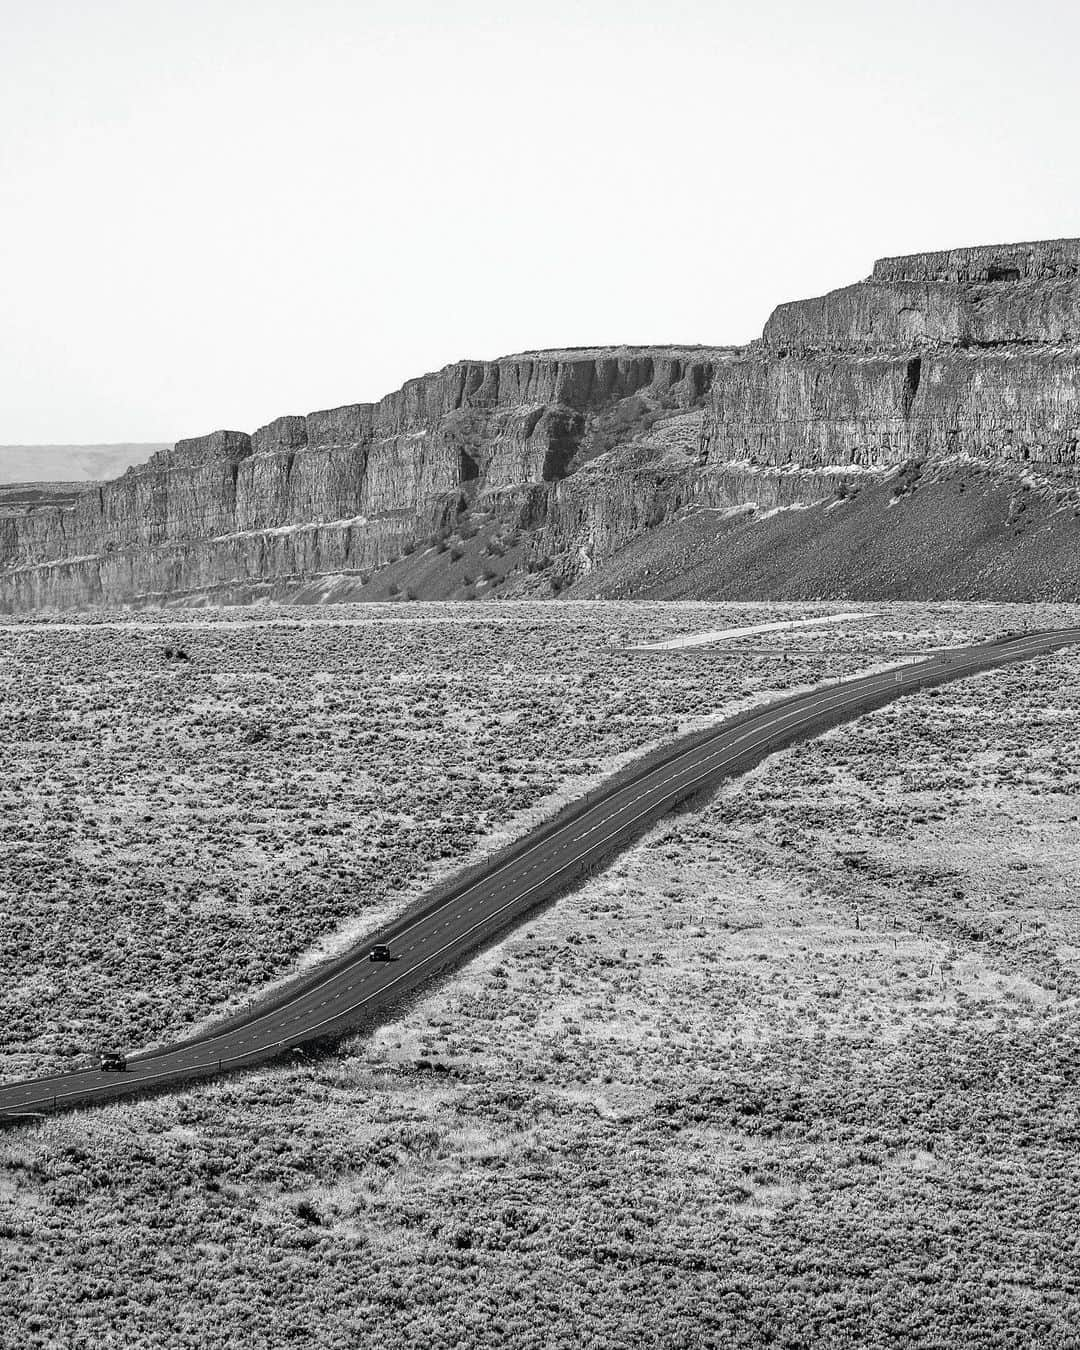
{"x":215,"y":213}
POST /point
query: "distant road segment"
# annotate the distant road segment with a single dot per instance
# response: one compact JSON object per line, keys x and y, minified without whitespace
{"x":353,"y":992}
{"x":678,"y":644}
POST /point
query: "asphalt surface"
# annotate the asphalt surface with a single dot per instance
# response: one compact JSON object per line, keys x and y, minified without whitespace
{"x":355,"y":992}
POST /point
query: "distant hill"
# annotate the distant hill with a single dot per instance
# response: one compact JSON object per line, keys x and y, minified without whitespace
{"x":18,"y":498}
{"x":70,"y":463}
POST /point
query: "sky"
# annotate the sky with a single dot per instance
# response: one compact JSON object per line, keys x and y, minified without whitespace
{"x":212,"y":214}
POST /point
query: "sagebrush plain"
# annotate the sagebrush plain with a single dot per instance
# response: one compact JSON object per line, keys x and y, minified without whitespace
{"x":798,"y":1068}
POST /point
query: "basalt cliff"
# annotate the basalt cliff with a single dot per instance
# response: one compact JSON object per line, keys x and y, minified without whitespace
{"x":603,"y":471}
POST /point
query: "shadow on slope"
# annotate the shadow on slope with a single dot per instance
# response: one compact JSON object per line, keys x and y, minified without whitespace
{"x":962,"y":533}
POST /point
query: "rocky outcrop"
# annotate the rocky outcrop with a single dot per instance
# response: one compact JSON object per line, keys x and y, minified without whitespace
{"x":340,"y":490}
{"x":878,"y":314}
{"x":1013,"y":404}
{"x":1041,"y":260}
{"x":971,"y":352}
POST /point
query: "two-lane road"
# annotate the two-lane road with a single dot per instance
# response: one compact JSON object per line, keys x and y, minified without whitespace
{"x":353,"y":991}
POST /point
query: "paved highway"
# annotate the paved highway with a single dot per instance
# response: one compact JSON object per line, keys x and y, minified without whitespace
{"x":354,"y":992}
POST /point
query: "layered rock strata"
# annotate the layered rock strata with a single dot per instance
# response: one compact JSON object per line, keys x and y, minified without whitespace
{"x":340,"y":490}
{"x":972,"y":352}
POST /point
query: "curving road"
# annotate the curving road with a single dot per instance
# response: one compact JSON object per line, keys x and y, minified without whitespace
{"x":353,"y":992}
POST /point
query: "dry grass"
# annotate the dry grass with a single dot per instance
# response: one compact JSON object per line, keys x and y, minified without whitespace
{"x":797,"y":1069}
{"x":177,"y":833}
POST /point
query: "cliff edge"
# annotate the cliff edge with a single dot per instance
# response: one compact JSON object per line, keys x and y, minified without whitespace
{"x":564,"y":459}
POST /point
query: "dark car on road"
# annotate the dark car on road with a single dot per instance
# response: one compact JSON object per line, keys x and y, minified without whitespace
{"x":112,"y":1061}
{"x":381,"y":952}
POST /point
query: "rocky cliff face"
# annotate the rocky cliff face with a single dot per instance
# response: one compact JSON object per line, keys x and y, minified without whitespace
{"x":1012,"y":403}
{"x":341,"y":490}
{"x":971,"y":352}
